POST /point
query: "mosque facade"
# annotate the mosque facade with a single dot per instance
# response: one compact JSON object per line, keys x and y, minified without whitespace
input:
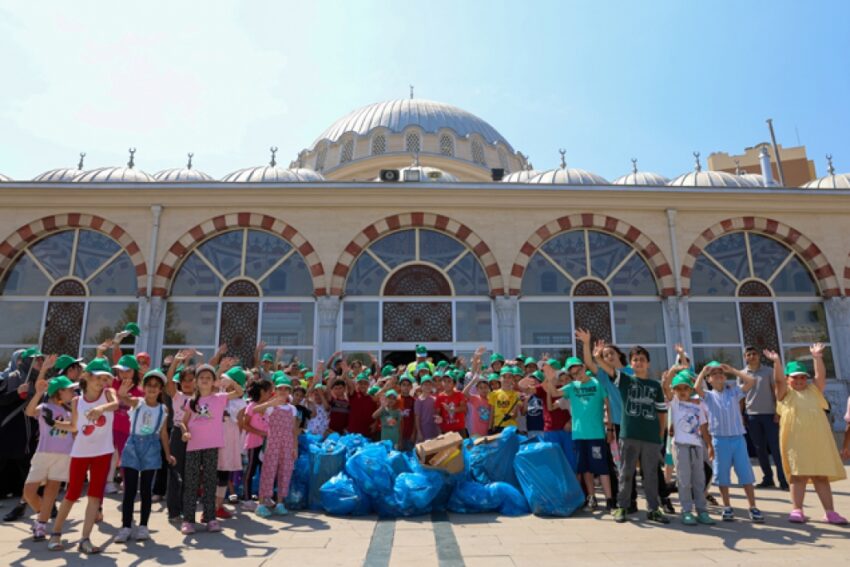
{"x":413,"y":222}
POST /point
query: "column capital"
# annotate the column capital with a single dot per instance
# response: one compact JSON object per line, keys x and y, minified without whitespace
{"x":327,"y":309}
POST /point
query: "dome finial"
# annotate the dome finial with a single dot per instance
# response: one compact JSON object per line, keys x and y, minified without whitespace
{"x":563,"y":158}
{"x":829,"y":166}
{"x":189,"y":163}
{"x":411,"y":91}
{"x":634,"y":165}
{"x":697,"y":164}
{"x":80,"y":163}
{"x":273,"y":161}
{"x":737,"y":167}
{"x":132,"y":161}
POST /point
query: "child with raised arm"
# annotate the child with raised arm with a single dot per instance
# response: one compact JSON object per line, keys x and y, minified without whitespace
{"x":727,"y":432}
{"x":808,"y":448}
{"x":476,"y":392}
{"x":690,"y":430}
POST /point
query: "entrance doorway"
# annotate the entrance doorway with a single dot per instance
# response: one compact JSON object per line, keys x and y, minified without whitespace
{"x":397,"y":357}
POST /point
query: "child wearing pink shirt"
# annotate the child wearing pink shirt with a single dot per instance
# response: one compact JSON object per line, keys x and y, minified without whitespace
{"x":256,"y":426}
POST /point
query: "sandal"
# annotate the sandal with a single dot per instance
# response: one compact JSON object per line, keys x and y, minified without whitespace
{"x":86,"y":546}
{"x":835,"y":518}
{"x":797,"y":517}
{"x":55,"y":543}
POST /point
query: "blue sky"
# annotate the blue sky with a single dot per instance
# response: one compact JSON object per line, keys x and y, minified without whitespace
{"x":607,"y":81}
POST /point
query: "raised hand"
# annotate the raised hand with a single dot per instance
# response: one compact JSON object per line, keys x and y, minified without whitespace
{"x":680,"y":350}
{"x":817,"y":350}
{"x":41,"y":387}
{"x":771,"y":355}
{"x":598,"y":347}
{"x":222,"y":348}
{"x":583,"y":335}
{"x":49,"y":361}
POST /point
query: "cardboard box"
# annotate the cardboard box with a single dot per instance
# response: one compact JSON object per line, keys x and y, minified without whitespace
{"x":444,"y":452}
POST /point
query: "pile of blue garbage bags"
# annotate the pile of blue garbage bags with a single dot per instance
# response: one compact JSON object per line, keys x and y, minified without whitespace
{"x":350,"y":476}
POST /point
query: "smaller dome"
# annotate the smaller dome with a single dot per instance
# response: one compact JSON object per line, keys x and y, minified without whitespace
{"x":5,"y":178}
{"x":59,"y":175}
{"x":830,"y":180}
{"x":305,"y":174}
{"x":754,"y":179}
{"x":272,"y":173}
{"x":641,"y":177}
{"x":120,"y":174}
{"x":521,"y":176}
{"x":424,"y":174}
{"x":568,"y":175}
{"x":700,"y":178}
{"x":182,"y":174}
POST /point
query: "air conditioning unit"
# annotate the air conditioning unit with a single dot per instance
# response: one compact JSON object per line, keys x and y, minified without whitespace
{"x":389,"y":175}
{"x":497,"y":173}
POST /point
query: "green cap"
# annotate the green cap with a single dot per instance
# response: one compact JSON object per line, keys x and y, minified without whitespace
{"x":154,"y":374}
{"x":554,"y":363}
{"x":64,"y":361}
{"x":530,"y":360}
{"x":362,"y":376}
{"x":422,"y":366}
{"x":506,"y":370}
{"x":426,"y":378}
{"x":176,"y":377}
{"x":387,"y":370}
{"x":714,"y":364}
{"x":405,"y":377}
{"x":496,"y":357}
{"x":389,"y":393}
{"x":31,"y":352}
{"x":238,"y":375}
{"x":127,"y":362}
{"x":319,"y":387}
{"x":683,"y":377}
{"x":268,"y":357}
{"x":133,"y":329}
{"x":99,"y":366}
{"x":302,"y":367}
{"x":277,"y":374}
{"x":796,"y":367}
{"x":442,"y":364}
{"x":517,"y":371}
{"x":538,"y":375}
{"x":308,"y":375}
{"x":573,"y":361}
{"x":493,"y":377}
{"x":373,"y":390}
{"x":421,"y":351}
{"x":283,"y":382}
{"x":59,"y":383}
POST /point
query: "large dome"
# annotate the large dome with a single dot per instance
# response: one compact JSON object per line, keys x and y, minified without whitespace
{"x":186,"y":174}
{"x":831,"y":180}
{"x":700,"y":178}
{"x":637,"y":177}
{"x":118,"y":174}
{"x":396,"y":115}
{"x":4,"y":178}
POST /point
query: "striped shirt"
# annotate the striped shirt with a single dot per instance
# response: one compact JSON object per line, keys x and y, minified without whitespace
{"x":725,"y":411}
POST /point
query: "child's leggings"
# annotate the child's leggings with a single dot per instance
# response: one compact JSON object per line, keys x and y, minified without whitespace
{"x":278,"y":460}
{"x":250,"y":470}
{"x":200,"y":472}
{"x":131,"y":485}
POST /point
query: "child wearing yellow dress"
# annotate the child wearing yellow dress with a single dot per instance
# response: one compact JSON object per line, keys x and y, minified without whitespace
{"x":809,"y":453}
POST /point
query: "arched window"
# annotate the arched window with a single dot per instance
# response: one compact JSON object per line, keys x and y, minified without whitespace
{"x":587,"y":279}
{"x":240,"y":287}
{"x":412,"y":144}
{"x":447,"y":145}
{"x":478,"y":153}
{"x":68,"y":292}
{"x":413,"y":286}
{"x":346,"y":153}
{"x":379,"y":145}
{"x":749,"y":289}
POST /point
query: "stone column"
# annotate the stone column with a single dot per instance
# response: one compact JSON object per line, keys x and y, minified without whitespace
{"x":838,"y":316}
{"x":153,"y":334}
{"x":327,"y":310}
{"x":674,"y":309}
{"x":507,"y":326}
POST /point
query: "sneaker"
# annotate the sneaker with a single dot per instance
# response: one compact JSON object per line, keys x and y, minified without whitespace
{"x":187,"y":528}
{"x":111,"y":488}
{"x":783,"y":486}
{"x":142,"y":534}
{"x":593,"y":503}
{"x":123,"y":535}
{"x":689,"y":519}
{"x":223,"y":514}
{"x":248,"y":505}
{"x":728,"y":514}
{"x":233,"y":499}
{"x":766,"y":484}
{"x":280,"y":510}
{"x":667,"y":504}
{"x":620,"y":515}
{"x":658,"y":516}
{"x":704,"y":519}
{"x":15,"y":513}
{"x":39,"y":531}
{"x":213,"y":526}
{"x":756,"y":515}
{"x":263,"y":511}
{"x":834,"y":518}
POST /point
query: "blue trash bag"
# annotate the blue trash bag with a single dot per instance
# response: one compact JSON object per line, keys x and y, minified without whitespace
{"x":307,"y":439}
{"x":511,"y":501}
{"x":493,"y":462}
{"x":341,"y":497}
{"x":326,"y":461}
{"x":548,"y":482}
{"x":299,"y":485}
{"x":416,"y":491}
{"x":370,"y":469}
{"x":470,"y":497}
{"x":353,"y":442}
{"x":399,"y":463}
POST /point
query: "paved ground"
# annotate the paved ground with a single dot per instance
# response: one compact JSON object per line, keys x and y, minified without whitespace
{"x":454,"y":540}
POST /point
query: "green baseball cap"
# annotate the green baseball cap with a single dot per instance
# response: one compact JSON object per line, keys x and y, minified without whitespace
{"x":422,"y":366}
{"x":59,"y":383}
{"x":65,"y":361}
{"x":362,"y":376}
{"x":319,"y":387}
{"x":442,"y":364}
{"x":276,"y":374}
{"x":387,"y":370}
{"x":127,"y":362}
{"x":302,"y":367}
{"x":373,"y":390}
{"x":496,"y":357}
{"x":268,"y":357}
{"x":389,"y":393}
{"x":683,"y":378}
{"x":493,"y":377}
{"x":98,"y":366}
{"x":714,"y":364}
{"x":538,"y":375}
{"x":32,"y":352}
{"x":530,"y":360}
{"x":308,"y":375}
{"x":238,"y":375}
{"x":283,"y":382}
{"x":405,"y":378}
{"x":796,"y":367}
{"x":506,"y":370}
{"x":133,"y":329}
{"x":573,"y":361}
{"x":154,"y":374}
{"x":426,"y":378}
{"x":554,"y":363}
{"x":421,"y":351}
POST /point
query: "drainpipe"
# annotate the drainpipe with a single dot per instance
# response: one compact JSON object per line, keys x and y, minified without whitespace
{"x":675,"y":305}
{"x":156,"y":210}
{"x":674,"y":257}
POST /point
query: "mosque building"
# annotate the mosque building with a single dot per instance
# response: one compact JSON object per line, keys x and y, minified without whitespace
{"x":413,"y":222}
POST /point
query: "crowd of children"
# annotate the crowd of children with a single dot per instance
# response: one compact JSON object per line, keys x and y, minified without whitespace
{"x":212,"y":427}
